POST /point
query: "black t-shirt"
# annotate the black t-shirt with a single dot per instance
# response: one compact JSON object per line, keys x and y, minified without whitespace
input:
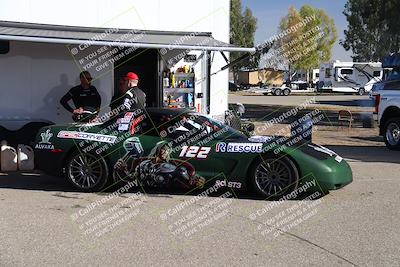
{"x":85,"y":98}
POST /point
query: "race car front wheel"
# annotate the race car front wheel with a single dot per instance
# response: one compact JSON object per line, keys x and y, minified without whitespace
{"x":87,"y":172}
{"x":273,"y":176}
{"x":392,"y":134}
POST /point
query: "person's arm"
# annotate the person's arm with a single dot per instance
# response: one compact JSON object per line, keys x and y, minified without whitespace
{"x":64,"y":101}
{"x":130,"y":100}
{"x":144,"y":100}
{"x":127,"y":103}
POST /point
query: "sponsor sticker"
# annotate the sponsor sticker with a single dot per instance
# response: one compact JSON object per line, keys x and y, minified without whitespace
{"x":260,"y":139}
{"x":338,"y":159}
{"x":123,"y":127}
{"x":45,"y":143}
{"x":229,"y":184}
{"x":239,"y":147}
{"x":124,"y":120}
{"x":87,"y":136}
{"x":128,"y":115}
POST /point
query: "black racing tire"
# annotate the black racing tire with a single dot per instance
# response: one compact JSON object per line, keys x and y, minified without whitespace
{"x":86,"y":172}
{"x":391,"y":134}
{"x":361,"y":91}
{"x":277,"y":92}
{"x":271,"y":176}
{"x":286,"y":92}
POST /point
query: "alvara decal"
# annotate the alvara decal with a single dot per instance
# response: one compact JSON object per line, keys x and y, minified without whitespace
{"x":87,"y":136}
{"x":45,"y":143}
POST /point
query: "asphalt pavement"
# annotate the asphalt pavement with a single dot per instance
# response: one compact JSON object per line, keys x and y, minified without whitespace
{"x":326,"y":101}
{"x":45,"y":223}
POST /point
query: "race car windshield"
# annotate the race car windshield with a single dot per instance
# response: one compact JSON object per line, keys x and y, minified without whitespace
{"x":210,"y":126}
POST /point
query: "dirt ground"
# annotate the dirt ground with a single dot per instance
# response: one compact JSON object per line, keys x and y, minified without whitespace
{"x":333,"y":135}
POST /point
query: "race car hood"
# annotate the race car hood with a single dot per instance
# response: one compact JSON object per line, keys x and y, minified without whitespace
{"x":285,"y":144}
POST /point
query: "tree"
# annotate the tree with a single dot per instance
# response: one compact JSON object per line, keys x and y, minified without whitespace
{"x":306,"y":37}
{"x":243,"y":27}
{"x":373,"y":28}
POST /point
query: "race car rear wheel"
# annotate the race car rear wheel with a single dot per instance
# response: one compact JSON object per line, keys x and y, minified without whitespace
{"x":273,"y":176}
{"x":87,"y":172}
{"x":392,"y":134}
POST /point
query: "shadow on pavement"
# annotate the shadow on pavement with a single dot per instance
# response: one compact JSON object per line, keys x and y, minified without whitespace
{"x":41,"y":182}
{"x":348,"y":103}
{"x":34,"y":181}
{"x":367,"y":153}
{"x":259,"y":113}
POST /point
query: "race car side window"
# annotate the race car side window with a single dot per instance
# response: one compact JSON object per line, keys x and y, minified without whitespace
{"x":149,"y":127}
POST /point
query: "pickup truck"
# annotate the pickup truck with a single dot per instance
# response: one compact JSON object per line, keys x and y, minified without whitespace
{"x":386,"y":95}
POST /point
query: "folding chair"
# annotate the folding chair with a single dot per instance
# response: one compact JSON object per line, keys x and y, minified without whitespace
{"x":346,"y":115}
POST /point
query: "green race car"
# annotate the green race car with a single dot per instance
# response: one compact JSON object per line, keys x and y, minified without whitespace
{"x":164,"y":148}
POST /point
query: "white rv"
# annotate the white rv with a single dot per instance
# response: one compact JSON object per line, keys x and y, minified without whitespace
{"x":315,"y":76}
{"x":349,"y":77}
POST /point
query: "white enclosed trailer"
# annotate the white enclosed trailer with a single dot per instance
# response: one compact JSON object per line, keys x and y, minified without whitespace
{"x":43,"y":49}
{"x":349,"y":77}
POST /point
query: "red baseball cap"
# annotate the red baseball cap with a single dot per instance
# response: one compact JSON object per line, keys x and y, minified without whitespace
{"x":131,"y":76}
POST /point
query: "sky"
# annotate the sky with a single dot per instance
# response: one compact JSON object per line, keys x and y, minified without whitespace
{"x":270,"y":12}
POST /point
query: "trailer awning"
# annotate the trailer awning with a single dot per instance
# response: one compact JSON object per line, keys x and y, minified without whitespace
{"x":88,"y":36}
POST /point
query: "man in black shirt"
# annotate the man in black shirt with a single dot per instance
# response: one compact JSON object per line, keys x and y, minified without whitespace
{"x":84,"y":96}
{"x":117,"y":99}
{"x":134,"y":98}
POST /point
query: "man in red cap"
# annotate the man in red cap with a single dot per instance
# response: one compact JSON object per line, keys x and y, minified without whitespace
{"x":134,"y":98}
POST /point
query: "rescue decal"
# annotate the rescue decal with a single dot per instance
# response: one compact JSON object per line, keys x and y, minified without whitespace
{"x":239,"y":147}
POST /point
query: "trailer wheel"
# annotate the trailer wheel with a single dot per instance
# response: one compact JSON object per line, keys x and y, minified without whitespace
{"x":278,"y":92}
{"x":286,"y":92}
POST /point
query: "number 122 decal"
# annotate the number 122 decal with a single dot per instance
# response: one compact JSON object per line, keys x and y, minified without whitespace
{"x":195,"y":152}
